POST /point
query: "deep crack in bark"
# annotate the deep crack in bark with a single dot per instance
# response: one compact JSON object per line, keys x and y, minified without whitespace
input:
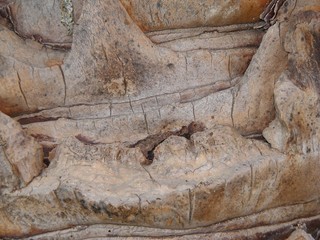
{"x":65,"y":85}
{"x":149,"y":144}
{"x":20,"y":87}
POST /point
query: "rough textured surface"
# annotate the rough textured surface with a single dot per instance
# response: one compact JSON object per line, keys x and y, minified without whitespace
{"x":28,"y":70}
{"x":299,"y":234}
{"x":211,"y":169}
{"x":137,"y":69}
{"x":43,"y":21}
{"x":20,"y":156}
{"x":197,"y":130}
{"x":107,"y":231}
{"x":253,"y":104}
{"x":171,"y":14}
{"x":297,"y":90}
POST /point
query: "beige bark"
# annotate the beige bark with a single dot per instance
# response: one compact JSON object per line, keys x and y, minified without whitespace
{"x":159,"y":118}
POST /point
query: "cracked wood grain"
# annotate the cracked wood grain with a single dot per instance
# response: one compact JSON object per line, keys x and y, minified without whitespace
{"x":191,"y":205}
{"x":208,"y":89}
{"x":21,"y":90}
{"x":111,"y":231}
{"x":232,"y":106}
{"x":251,"y":182}
{"x":192,"y":168}
{"x":146,"y":123}
{"x":149,"y":174}
{"x":64,"y":84}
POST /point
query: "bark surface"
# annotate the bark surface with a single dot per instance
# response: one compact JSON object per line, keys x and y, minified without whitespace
{"x":127,"y":118}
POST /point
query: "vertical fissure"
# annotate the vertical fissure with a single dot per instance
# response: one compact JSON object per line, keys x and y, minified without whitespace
{"x":65,"y":85}
{"x":22,"y":92}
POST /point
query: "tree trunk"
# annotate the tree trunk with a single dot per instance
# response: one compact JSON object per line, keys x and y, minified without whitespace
{"x":145,"y":118}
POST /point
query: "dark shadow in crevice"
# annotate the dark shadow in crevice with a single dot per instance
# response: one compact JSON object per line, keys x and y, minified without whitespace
{"x":149,"y":144}
{"x":256,"y":136}
{"x":48,"y":154}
